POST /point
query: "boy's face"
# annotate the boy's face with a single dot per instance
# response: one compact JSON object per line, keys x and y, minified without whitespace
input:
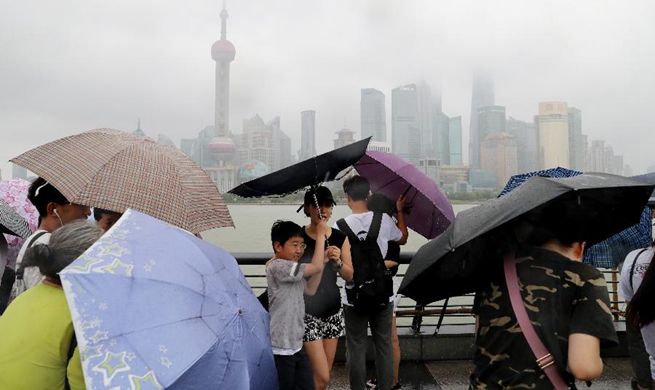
{"x":291,"y":250}
{"x":107,"y":220}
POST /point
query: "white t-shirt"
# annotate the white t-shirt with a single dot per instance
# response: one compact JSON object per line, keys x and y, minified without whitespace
{"x":360,"y":224}
{"x":628,"y":291}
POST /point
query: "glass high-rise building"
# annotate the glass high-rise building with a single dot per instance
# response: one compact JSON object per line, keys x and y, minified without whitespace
{"x":406,"y":123}
{"x":483,"y":95}
{"x":307,"y":135}
{"x":455,"y":140}
{"x":576,"y":147}
{"x":373,"y":115}
{"x":526,"y":142}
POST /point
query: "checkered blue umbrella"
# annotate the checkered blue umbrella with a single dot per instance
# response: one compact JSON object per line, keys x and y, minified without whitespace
{"x":612,"y":251}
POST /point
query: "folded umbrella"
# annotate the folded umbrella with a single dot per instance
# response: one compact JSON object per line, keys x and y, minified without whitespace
{"x":428,"y":210}
{"x":154,"y":306}
{"x":310,"y":172}
{"x":115,"y":170}
{"x":455,"y":263}
{"x":612,"y":251}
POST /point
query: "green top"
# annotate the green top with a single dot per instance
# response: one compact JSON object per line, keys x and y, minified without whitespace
{"x":36,"y":334}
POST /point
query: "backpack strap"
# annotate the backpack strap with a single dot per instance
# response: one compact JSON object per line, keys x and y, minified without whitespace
{"x":71,"y":351}
{"x":632,"y":269}
{"x":545,"y":360}
{"x":374,"y":229}
{"x":343,"y":226}
{"x":19,"y":271}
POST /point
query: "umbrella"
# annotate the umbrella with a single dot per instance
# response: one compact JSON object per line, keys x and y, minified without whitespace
{"x":154,"y":304}
{"x":610,"y":252}
{"x":428,"y":211}
{"x":14,"y":193}
{"x":12,"y":223}
{"x":455,"y":263}
{"x":310,"y":172}
{"x":115,"y":170}
{"x":647,"y":178}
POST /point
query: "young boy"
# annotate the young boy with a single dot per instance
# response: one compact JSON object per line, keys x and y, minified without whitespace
{"x":105,"y":218}
{"x":286,"y":283}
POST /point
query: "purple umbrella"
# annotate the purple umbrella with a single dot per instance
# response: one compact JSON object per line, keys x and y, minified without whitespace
{"x":428,"y":212}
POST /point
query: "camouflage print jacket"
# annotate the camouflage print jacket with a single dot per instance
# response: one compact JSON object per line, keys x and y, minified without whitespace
{"x":561,"y":296}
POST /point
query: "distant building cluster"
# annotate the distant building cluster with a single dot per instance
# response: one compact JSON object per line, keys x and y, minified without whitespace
{"x":499,"y":145}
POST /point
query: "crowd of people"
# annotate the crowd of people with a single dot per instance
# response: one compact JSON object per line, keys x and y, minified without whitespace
{"x":567,"y":301}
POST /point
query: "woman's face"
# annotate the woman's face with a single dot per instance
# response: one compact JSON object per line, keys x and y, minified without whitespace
{"x":326,"y":212}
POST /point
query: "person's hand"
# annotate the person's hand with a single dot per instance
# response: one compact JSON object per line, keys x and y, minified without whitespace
{"x":334,"y":253}
{"x":400,"y":203}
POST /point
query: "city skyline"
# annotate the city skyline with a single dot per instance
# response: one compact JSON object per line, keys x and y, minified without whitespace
{"x":153,"y":64}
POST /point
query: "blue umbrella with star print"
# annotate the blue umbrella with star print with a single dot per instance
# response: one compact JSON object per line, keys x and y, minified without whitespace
{"x":155,"y":307}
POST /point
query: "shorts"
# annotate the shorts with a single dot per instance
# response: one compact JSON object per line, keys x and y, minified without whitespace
{"x":317,"y":328}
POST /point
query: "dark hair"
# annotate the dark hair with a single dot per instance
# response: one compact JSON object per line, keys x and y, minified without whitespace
{"x":641,"y":310}
{"x":66,"y":244}
{"x":98,"y":213}
{"x":357,"y":187}
{"x":381,"y":204}
{"x":323,"y":196}
{"x":46,"y":193}
{"x":282,"y":231}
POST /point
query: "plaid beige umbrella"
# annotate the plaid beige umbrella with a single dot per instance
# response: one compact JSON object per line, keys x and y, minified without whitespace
{"x":115,"y":170}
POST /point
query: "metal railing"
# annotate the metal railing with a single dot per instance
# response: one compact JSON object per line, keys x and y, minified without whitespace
{"x":413,"y":319}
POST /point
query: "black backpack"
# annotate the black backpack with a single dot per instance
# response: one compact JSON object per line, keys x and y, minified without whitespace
{"x":369,"y":290}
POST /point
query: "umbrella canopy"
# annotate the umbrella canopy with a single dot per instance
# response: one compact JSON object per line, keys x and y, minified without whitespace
{"x":595,"y":205}
{"x":610,"y":252}
{"x":428,"y":210}
{"x":115,"y":170}
{"x":14,"y":193}
{"x":310,"y":172}
{"x":647,"y":178}
{"x":12,"y":223}
{"x":154,"y":304}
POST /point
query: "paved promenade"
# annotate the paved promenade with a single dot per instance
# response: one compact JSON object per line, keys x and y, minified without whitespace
{"x":453,"y":375}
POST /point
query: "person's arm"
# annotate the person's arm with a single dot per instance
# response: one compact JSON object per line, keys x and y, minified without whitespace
{"x":311,"y":285}
{"x":347,"y":271}
{"x":584,"y":356}
{"x":400,"y":206}
{"x":320,"y":256}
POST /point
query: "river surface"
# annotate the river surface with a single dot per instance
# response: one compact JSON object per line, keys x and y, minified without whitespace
{"x":253,"y":226}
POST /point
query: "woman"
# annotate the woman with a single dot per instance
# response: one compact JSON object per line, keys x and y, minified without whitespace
{"x":39,"y":350}
{"x":323,"y":314}
{"x":641,"y":311}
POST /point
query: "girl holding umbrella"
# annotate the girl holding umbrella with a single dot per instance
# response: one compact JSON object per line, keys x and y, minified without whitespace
{"x":323,"y":314}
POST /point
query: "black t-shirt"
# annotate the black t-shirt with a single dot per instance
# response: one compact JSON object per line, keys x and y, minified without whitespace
{"x":327,"y":300}
{"x":561,"y":296}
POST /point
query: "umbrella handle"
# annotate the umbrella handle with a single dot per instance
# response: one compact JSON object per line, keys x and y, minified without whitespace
{"x":318,"y":208}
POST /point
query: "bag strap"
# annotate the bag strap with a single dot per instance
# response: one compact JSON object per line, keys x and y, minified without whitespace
{"x":374,"y":229}
{"x":545,"y":360}
{"x":19,"y":271}
{"x":71,"y":351}
{"x":343,"y":226}
{"x":632,"y":269}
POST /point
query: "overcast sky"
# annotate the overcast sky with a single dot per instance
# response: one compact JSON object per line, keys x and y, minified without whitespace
{"x":68,"y":66}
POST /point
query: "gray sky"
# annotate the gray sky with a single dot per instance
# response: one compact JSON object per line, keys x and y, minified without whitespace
{"x":73,"y":65}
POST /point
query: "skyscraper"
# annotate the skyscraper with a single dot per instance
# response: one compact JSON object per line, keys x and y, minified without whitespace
{"x":576,"y":152}
{"x":526,"y":143}
{"x":482,"y":96}
{"x":491,"y":119}
{"x":455,"y":140}
{"x":597,"y":156}
{"x":553,"y":135}
{"x":307,"y":135}
{"x":498,"y":155}
{"x":439,"y":139}
{"x":373,"y":115}
{"x":425,"y":109}
{"x":406,"y":123}
{"x":281,"y":145}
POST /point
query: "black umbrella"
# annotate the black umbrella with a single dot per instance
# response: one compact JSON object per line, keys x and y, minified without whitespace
{"x":12,"y":223}
{"x":594,"y":205}
{"x":310,"y":172}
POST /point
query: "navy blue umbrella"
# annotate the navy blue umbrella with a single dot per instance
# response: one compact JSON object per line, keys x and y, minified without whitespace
{"x":612,"y":251}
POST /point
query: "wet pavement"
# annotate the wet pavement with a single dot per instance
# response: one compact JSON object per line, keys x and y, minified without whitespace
{"x":453,"y":375}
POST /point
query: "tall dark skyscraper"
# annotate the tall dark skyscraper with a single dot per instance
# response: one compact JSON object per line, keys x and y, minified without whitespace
{"x":406,"y":123}
{"x":483,"y":95}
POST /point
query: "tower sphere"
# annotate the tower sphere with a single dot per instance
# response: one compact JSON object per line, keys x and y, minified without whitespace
{"x":223,"y":50}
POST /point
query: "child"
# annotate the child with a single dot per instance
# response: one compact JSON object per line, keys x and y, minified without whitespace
{"x":105,"y":218}
{"x":285,"y":277}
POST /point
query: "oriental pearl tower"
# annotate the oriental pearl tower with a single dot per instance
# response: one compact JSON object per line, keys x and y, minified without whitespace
{"x":221,"y":147}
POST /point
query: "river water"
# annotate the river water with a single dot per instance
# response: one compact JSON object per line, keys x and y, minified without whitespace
{"x":252,"y":232}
